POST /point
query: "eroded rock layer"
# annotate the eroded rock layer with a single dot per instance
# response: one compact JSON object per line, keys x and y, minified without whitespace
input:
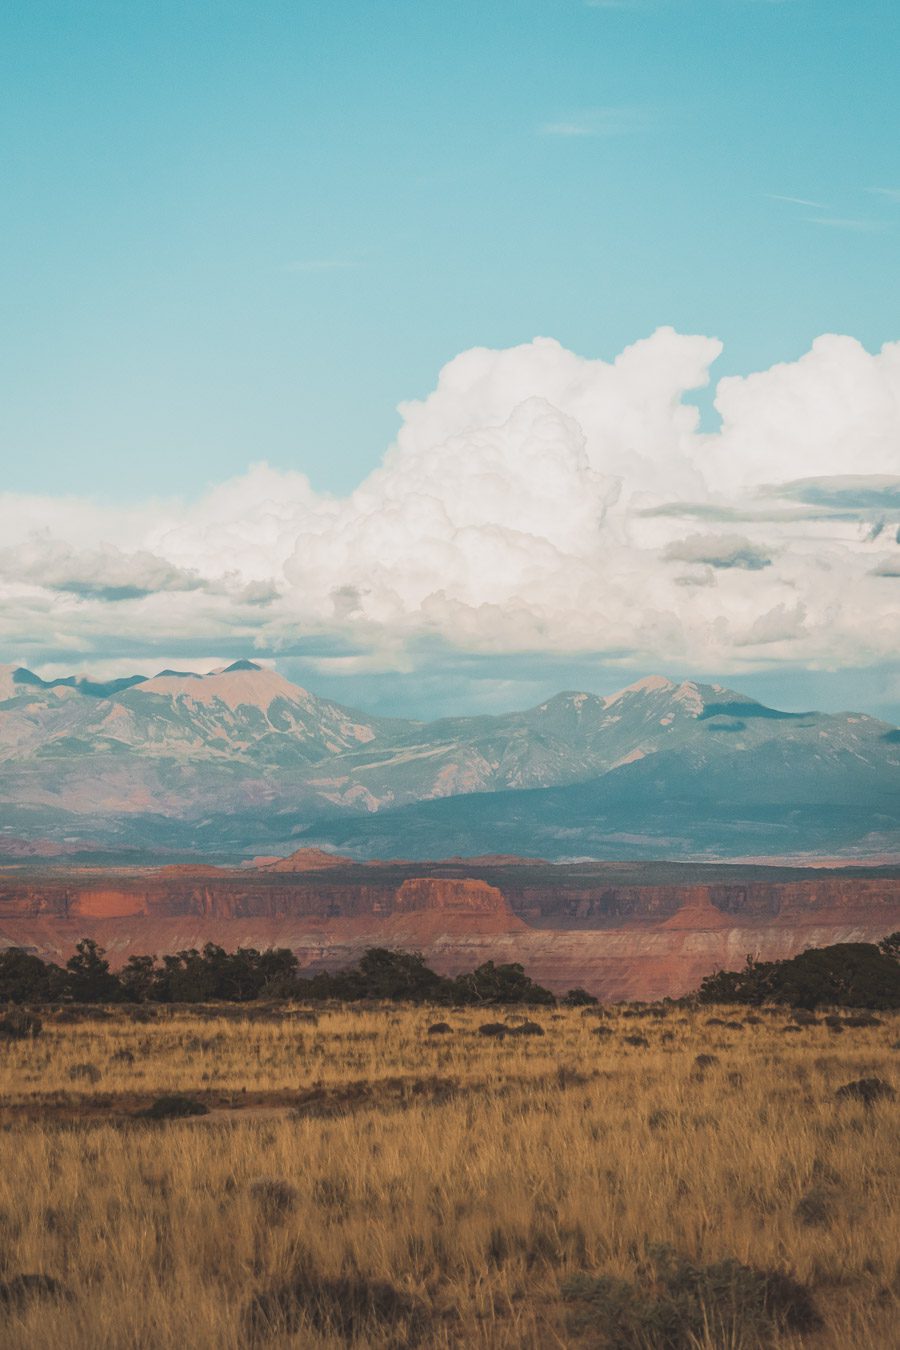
{"x":619,"y":930}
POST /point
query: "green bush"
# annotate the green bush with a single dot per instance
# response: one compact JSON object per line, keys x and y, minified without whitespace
{"x":846,"y":975}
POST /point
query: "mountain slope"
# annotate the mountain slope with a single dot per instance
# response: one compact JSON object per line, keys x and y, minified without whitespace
{"x":781,"y":799}
{"x":244,"y":760}
{"x":241,"y":710}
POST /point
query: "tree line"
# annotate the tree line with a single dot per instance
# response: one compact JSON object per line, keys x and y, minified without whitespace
{"x":214,"y":975}
{"x":846,"y":975}
{"x":853,"y":974}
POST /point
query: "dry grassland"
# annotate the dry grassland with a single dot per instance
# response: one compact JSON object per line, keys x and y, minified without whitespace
{"x":358,"y":1181}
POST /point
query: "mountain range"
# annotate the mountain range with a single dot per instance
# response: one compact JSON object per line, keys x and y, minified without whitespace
{"x":242,"y":761}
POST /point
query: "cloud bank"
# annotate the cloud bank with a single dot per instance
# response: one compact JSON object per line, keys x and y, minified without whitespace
{"x":535,"y":501}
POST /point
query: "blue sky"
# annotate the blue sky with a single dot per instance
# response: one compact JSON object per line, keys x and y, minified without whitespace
{"x":235,"y":231}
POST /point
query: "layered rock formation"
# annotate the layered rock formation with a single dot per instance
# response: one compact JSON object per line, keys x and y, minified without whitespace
{"x":621,"y":931}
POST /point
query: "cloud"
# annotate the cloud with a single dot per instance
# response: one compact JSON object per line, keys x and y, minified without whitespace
{"x":862,"y":492}
{"x":836,"y":407}
{"x":534,"y":502}
{"x":888,"y":567}
{"x":782,"y":624}
{"x":98,"y":574}
{"x":859,"y":225}
{"x":720,"y":551}
{"x":796,"y":201}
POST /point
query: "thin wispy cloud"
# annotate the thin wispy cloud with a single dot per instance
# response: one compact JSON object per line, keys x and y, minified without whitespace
{"x":598,"y":122}
{"x":892,"y":193}
{"x":796,"y":201}
{"x":860,"y":225}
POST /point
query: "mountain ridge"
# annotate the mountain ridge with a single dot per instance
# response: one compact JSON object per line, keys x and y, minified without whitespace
{"x":172,"y":757}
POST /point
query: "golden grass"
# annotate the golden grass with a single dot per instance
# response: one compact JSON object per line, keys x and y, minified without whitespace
{"x":472,"y":1174}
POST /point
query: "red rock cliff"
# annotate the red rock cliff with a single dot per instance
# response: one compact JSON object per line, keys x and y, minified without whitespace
{"x":568,"y":926}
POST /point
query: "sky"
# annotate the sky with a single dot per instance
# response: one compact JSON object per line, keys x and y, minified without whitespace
{"x":451,"y":355}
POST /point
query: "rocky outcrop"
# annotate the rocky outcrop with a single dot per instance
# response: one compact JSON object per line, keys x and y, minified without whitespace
{"x":449,"y":896}
{"x":619,"y":930}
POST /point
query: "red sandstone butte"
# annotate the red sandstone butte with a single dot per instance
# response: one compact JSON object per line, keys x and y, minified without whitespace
{"x":623,"y":931}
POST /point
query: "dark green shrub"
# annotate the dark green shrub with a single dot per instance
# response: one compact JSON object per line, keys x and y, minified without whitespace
{"x":88,"y":977}
{"x":866,"y":1090}
{"x":18,"y":1025}
{"x":580,"y":998}
{"x":25,"y":978}
{"x":527,"y":1029}
{"x":846,"y":975}
{"x":503,"y":984}
{"x":815,"y":1208}
{"x":349,"y":1308}
{"x":174,"y":1107}
{"x":21,"y":1290}
{"x":676,"y":1305}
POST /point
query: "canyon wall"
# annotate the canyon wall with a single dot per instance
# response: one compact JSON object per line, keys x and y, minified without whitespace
{"x":620,"y":931}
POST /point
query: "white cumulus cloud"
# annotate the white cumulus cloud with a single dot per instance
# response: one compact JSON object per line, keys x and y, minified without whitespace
{"x":535,"y":501}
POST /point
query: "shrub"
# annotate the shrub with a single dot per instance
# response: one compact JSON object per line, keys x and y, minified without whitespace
{"x":174,"y":1107}
{"x":527,"y":1029}
{"x":88,"y":1072}
{"x":493,"y":1029}
{"x":349,"y":1308}
{"x":580,"y":998}
{"x":814,"y":1209}
{"x":439,"y":1029}
{"x":504,"y":984}
{"x":18,"y":1025}
{"x":847,"y":975}
{"x":867,"y":1090}
{"x":88,"y":977}
{"x":21,"y":1290}
{"x":275,"y":1197}
{"x":25,"y":978}
{"x":676,"y":1305}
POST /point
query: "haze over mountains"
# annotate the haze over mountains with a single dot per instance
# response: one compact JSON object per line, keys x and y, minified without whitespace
{"x":241,"y":761}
